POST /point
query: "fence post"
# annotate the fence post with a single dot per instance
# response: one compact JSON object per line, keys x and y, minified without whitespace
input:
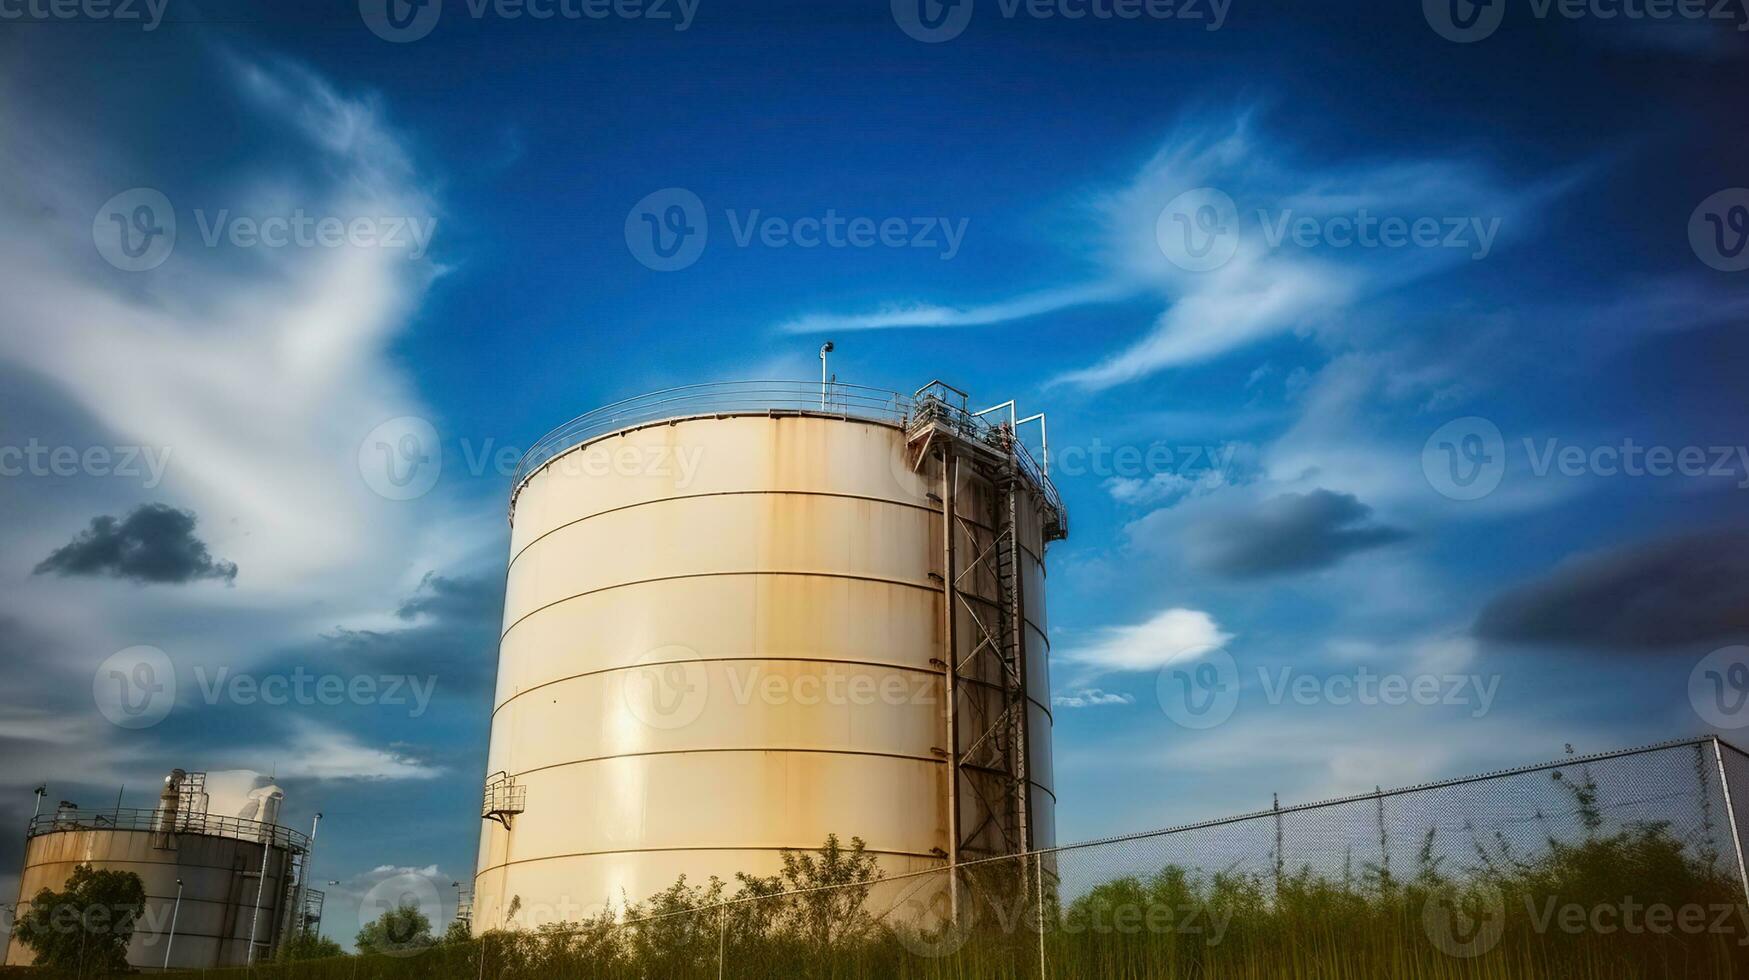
{"x":1280,"y":859}
{"x":1039,"y":881}
{"x":722,"y":937}
{"x":1731,"y":816}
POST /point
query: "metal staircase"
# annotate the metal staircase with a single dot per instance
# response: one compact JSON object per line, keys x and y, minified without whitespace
{"x":989,"y":799}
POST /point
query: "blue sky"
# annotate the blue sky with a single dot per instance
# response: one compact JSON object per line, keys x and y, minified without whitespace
{"x":1565,"y":162}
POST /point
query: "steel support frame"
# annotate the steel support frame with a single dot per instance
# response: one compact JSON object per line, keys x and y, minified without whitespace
{"x":1000,"y":752}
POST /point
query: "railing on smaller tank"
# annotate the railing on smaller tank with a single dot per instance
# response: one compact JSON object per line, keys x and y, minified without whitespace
{"x":166,"y":822}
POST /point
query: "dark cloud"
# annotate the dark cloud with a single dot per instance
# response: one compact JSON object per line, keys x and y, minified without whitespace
{"x":454,"y":634}
{"x":452,"y":599}
{"x":153,"y":543}
{"x":1293,"y":532}
{"x":1664,"y":593}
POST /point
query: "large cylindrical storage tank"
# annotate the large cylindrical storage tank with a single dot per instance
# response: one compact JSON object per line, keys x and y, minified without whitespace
{"x":225,"y":896}
{"x":723,"y":637}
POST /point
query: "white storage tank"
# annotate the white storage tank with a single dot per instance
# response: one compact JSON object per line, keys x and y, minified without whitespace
{"x":726,"y":634}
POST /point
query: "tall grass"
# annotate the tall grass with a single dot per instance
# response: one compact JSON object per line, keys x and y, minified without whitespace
{"x":1530,"y":917}
{"x":1635,"y":903}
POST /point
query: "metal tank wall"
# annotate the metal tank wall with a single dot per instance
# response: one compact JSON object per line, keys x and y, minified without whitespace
{"x":219,"y":876}
{"x":721,"y":640}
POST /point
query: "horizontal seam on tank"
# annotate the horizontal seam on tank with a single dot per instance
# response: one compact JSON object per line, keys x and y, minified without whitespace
{"x":932,"y":760}
{"x":711,"y":660}
{"x":696,"y":847}
{"x":1037,"y":559}
{"x":686,"y":575}
{"x":806,"y":660}
{"x":718,"y":493}
{"x":181,"y":935}
{"x":150,"y":864}
{"x":166,"y":899}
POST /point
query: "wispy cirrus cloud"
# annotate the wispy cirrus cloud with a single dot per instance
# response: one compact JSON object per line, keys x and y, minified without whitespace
{"x":1272,"y":283}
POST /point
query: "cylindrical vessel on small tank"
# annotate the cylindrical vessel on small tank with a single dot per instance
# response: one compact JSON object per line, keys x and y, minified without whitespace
{"x":727,"y":634}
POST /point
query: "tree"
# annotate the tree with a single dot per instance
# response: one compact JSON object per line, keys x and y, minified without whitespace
{"x":308,"y":945}
{"x":85,"y":929}
{"x":458,"y":933}
{"x":821,"y":893}
{"x":398,"y":931}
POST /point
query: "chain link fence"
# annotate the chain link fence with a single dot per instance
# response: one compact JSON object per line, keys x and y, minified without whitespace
{"x":1620,"y":865}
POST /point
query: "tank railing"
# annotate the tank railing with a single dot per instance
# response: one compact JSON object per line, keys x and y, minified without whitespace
{"x":1046,"y":488}
{"x":166,"y":822}
{"x":715,"y":398}
{"x":833,"y":398}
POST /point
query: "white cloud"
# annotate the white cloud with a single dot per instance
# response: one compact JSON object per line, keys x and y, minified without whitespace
{"x":317,"y":752}
{"x":1174,"y":635}
{"x":260,"y":371}
{"x":928,"y":315}
{"x":1091,"y":697}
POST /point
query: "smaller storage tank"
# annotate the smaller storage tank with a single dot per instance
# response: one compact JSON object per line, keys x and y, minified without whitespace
{"x":239,"y":877}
